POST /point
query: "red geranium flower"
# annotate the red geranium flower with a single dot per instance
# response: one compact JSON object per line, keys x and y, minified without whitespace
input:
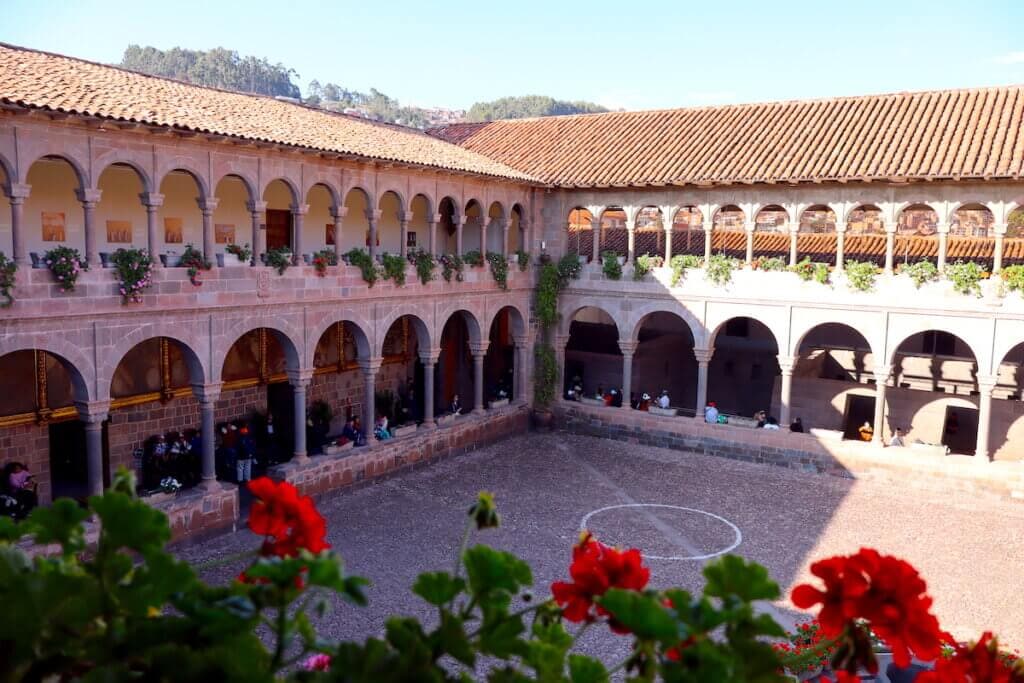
{"x":595,"y":568}
{"x":980,"y":663}
{"x":883,"y":590}
{"x":289,"y":522}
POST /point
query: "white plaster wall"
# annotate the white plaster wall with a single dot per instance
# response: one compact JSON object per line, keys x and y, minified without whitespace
{"x":120,"y":201}
{"x":389,"y":231}
{"x":232,"y":209}
{"x":314,"y":226}
{"x":355,"y":225}
{"x":53,"y":189}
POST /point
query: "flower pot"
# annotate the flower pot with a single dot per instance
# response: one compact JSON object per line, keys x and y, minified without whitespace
{"x":543,"y":419}
{"x":582,"y":259}
{"x":172,"y":259}
{"x":232,"y":260}
{"x":621,"y":260}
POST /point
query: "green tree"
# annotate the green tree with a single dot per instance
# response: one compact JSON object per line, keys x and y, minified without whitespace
{"x":217,"y":68}
{"x":528,"y":106}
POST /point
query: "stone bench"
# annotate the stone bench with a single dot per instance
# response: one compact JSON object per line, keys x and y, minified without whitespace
{"x":446,"y":420}
{"x":588,"y":401}
{"x":499,"y":403}
{"x":335,"y":450}
{"x":740,"y":421}
{"x":664,"y":412}
{"x":403,"y":431}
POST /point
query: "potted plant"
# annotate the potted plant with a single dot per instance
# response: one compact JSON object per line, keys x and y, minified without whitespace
{"x":394,"y":268}
{"x":499,"y":268}
{"x":360,"y":258}
{"x":65,"y":263}
{"x":611,"y":264}
{"x":523,"y":259}
{"x":194,"y":260}
{"x":473,"y":259}
{"x":235,"y":255}
{"x":134,"y":273}
{"x":8,"y":268}
{"x":279,"y":259}
{"x":322,"y":259}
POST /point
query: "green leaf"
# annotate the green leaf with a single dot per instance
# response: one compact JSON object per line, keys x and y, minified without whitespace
{"x":490,"y":570}
{"x":485,"y":511}
{"x":501,"y":639}
{"x":130,"y":523}
{"x":583,"y":669}
{"x":60,"y":523}
{"x":438,"y":588}
{"x":642,"y":614}
{"x":11,"y":531}
{"x":451,"y":635}
{"x":734,"y":576}
{"x":327,"y":571}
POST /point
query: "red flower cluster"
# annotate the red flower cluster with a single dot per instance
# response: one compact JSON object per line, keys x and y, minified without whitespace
{"x":596,"y":568}
{"x":982,"y":662}
{"x":883,"y":590}
{"x":808,"y":638}
{"x":289,"y":522}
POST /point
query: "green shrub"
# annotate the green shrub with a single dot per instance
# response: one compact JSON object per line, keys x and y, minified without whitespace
{"x":569,"y":268}
{"x":719,"y":269}
{"x":361,"y":260}
{"x":279,"y":259}
{"x":610,"y":265}
{"x":771,"y":264}
{"x":821,"y":273}
{"x":1013,"y":276}
{"x":8,"y":268}
{"x":523,"y":258}
{"x":194,"y":260}
{"x":681,"y":263}
{"x":966,"y":277}
{"x":545,"y":375}
{"x":645,"y":264}
{"x":425,"y":265}
{"x":65,"y":263}
{"x":244,"y":253}
{"x":920,"y":272}
{"x":473,"y":258}
{"x":451,"y":265}
{"x":548,"y":284}
{"x":134,"y":269}
{"x":861,"y":275}
{"x":499,"y":268}
{"x":394,"y":268}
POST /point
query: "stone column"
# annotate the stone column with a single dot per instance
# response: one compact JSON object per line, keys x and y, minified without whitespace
{"x":882,"y":373}
{"x":152,"y":202}
{"x":93,"y":414}
{"x":986,"y":383}
{"x":403,"y":226}
{"x":506,"y":227}
{"x":997,"y":257}
{"x":338,"y":213}
{"x":18,"y":194}
{"x":628,"y":348}
{"x":299,"y":379}
{"x":942,"y":231}
{"x":668,"y":244}
{"x":369,"y":368}
{"x":259,"y":235}
{"x":595,"y":242}
{"x":522,"y":343}
{"x":298,"y":246}
{"x":478,"y":350}
{"x":560,"y":341}
{"x":890,"y":246}
{"x":89,"y":200}
{"x":483,"y":238}
{"x":460,"y":223}
{"x":630,"y":239}
{"x":707,"y":244}
{"x":207,"y":395}
{"x":432,"y":222}
{"x":749,"y":227}
{"x":703,"y":361}
{"x":840,"y":246}
{"x":794,"y":232}
{"x":207,"y":206}
{"x":524,"y":235}
{"x":786,"y":364}
{"x":429,"y":360}
{"x":372,"y":217}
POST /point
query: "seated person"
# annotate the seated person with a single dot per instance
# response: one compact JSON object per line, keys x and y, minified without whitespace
{"x":797,"y":426}
{"x":456,"y":406}
{"x":771,"y":423}
{"x":663,"y":400}
{"x":711,"y":413}
{"x":380,"y":430}
{"x":866,"y":432}
{"x":634,"y":401}
{"x":348,"y":432}
{"x":645,"y":401}
{"x":761,"y":418}
{"x":22,"y":485}
{"x":608,"y":397}
{"x":616,"y":398}
{"x":357,"y":427}
{"x":897,"y":439}
{"x":599,"y":395}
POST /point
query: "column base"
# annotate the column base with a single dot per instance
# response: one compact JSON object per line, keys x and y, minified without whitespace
{"x":478,"y":411}
{"x":210,"y":485}
{"x":300,"y":457}
{"x":427,"y":426}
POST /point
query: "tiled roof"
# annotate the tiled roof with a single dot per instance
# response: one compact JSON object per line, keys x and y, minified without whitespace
{"x":54,"y":82}
{"x":946,"y":134}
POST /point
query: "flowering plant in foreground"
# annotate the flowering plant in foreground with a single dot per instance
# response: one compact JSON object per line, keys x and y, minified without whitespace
{"x":128,"y":609}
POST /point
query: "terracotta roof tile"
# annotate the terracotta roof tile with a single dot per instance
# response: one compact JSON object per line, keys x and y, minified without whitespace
{"x":909,"y":136}
{"x":47,"y":81}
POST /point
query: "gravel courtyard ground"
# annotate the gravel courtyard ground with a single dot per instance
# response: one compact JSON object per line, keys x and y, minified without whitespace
{"x":970,"y":550}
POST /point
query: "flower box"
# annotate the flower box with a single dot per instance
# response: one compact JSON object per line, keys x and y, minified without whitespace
{"x":664,"y":412}
{"x":499,"y":403}
{"x":335,"y":450}
{"x":405,"y":430}
{"x":740,"y":421}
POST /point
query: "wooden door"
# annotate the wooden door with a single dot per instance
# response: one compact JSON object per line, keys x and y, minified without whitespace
{"x":279,"y":228}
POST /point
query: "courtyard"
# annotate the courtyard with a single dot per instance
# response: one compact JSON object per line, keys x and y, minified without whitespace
{"x":673,"y":506}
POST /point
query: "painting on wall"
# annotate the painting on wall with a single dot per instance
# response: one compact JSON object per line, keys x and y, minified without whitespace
{"x":119,"y":232}
{"x":224,"y":233}
{"x":410,"y":239}
{"x":329,"y":234}
{"x":173,"y":233}
{"x":53,"y":226}
{"x":368,"y":238}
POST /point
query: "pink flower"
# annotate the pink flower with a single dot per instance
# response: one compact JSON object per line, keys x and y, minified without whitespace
{"x":319,"y":662}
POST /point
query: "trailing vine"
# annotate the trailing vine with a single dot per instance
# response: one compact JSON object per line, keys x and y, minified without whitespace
{"x":550,"y":281}
{"x":8,"y":268}
{"x":719,"y":269}
{"x":966,"y":277}
{"x":279,"y":259}
{"x":808,"y":270}
{"x":499,"y":268}
{"x":611,"y":266}
{"x":322,"y":259}
{"x":194,"y":260}
{"x":425,"y":264}
{"x":569,"y":268}
{"x":473,"y":258}
{"x":361,"y":260}
{"x":645,"y":264}
{"x":680,"y":263}
{"x":523,"y":258}
{"x":545,"y":374}
{"x":861,"y":275}
{"x":394,"y":268}
{"x":920,"y":272}
{"x":771,"y":264}
{"x":134,"y":273}
{"x":65,"y":263}
{"x":1013,"y":276}
{"x":451,"y":264}
{"x":244,"y":253}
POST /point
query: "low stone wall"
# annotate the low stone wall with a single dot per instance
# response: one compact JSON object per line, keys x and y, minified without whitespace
{"x":323,"y":474}
{"x":904,"y":467}
{"x":198,"y":512}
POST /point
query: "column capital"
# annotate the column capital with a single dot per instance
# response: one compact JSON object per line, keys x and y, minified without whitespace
{"x":207,"y":393}
{"x":478,"y":349}
{"x":93,"y":412}
{"x":986,"y":383}
{"x":300,"y":378}
{"x":208,"y":204}
{"x":429,"y":356}
{"x":460,"y":220}
{"x":703,"y":355}
{"x":560,"y":340}
{"x":630,"y":224}
{"x":19,"y":192}
{"x":841,"y":226}
{"x":299,"y":209}
{"x":152,"y":200}
{"x":999,"y":229}
{"x":370,"y":365}
{"x":433,"y":218}
{"x":373,"y":216}
{"x":627,"y":347}
{"x":256,"y":207}
{"x":882,"y":371}
{"x":89,"y":196}
{"x":786,"y":364}
{"x":750,"y":226}
{"x":521,"y":340}
{"x":339,"y":212}
{"x":942,"y":228}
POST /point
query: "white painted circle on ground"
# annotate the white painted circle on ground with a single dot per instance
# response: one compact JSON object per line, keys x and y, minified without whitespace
{"x":738,"y":536}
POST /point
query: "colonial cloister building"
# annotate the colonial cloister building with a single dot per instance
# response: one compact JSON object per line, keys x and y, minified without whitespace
{"x":97,"y":158}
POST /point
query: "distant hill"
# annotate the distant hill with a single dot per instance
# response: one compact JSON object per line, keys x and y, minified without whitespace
{"x":223,"y":68}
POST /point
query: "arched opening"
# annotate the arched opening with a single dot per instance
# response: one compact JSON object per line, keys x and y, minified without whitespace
{"x":865,"y":235}
{"x":389,"y":228}
{"x":232,"y":219}
{"x":771,"y":232}
{"x":355,"y":230}
{"x":180,"y":218}
{"x":6,"y":231}
{"x":516,"y":234}
{"x":455,"y":386}
{"x":743,"y":368}
{"x":817,"y":234}
{"x":649,"y":235}
{"x":728,"y":232}
{"x":664,"y":361}
{"x":318,"y":225}
{"x":916,"y":230}
{"x":495,"y":228}
{"x":337,"y":393}
{"x":501,"y":371}
{"x":40,"y":426}
{"x":120,"y":214}
{"x":688,"y":231}
{"x":593,"y":359}
{"x":580,"y":236}
{"x":153,"y":414}
{"x":1006,"y":433}
{"x":448,"y":228}
{"x":418,"y":236}
{"x":833,"y":378}
{"x":400,"y":383}
{"x":614,"y":237}
{"x":933,"y":399}
{"x":280,"y":220}
{"x":53,"y":212}
{"x":972,"y":237}
{"x":472,"y":229}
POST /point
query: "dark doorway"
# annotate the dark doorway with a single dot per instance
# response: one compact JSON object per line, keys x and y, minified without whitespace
{"x":280,"y":402}
{"x":960,"y":430}
{"x":279,"y":228}
{"x":859,"y":409}
{"x":69,"y":476}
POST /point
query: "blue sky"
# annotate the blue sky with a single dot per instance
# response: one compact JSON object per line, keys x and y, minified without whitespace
{"x":634,"y":55}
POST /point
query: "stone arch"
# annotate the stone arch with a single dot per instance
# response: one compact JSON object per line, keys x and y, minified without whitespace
{"x":472,"y":324}
{"x":800,"y":336}
{"x":403,"y":205}
{"x":426,"y":198}
{"x":84,"y":182}
{"x":580,"y":231}
{"x":359,"y":327}
{"x":8,"y":170}
{"x":359,"y":189}
{"x":289,"y":183}
{"x":575,"y":308}
{"x":818,"y":218}
{"x":721,"y":326}
{"x":200,"y":180}
{"x":923,"y":225}
{"x":248,"y":183}
{"x":766,"y":215}
{"x":723,"y":217}
{"x":696,"y":328}
{"x":124,"y":343}
{"x":929,"y":326}
{"x":79,"y":367}
{"x":957,"y":224}
{"x":862,"y":208}
{"x":519,"y":320}
{"x":649,"y":233}
{"x":140,"y":171}
{"x":321,"y":180}
{"x":286,"y":336}
{"x":419,"y":326}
